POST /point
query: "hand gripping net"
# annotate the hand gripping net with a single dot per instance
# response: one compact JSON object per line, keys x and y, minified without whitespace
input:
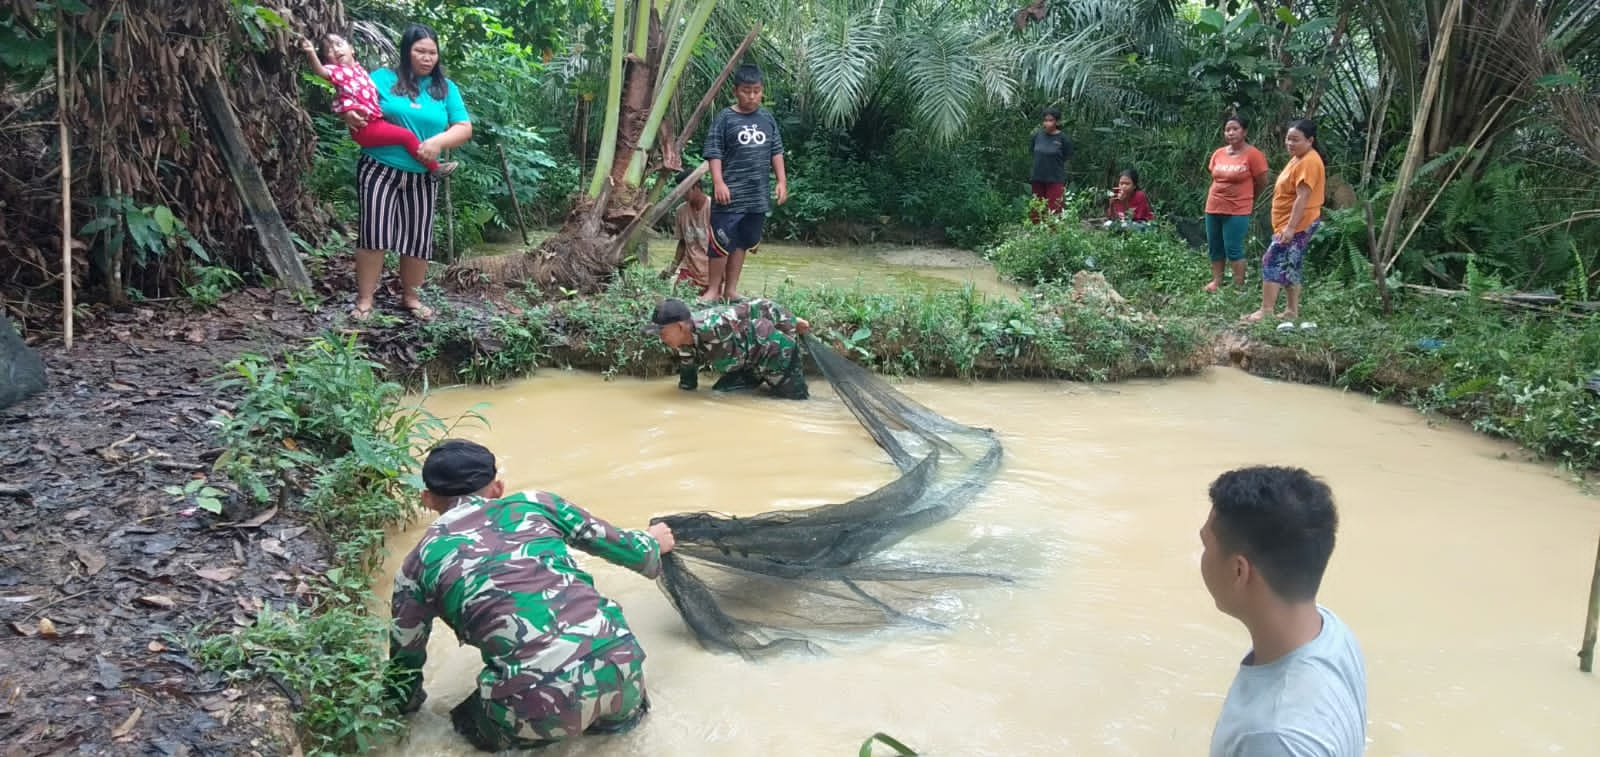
{"x":780,"y":581}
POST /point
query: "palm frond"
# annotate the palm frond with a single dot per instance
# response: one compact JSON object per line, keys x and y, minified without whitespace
{"x":842,"y":54}
{"x":942,"y":76}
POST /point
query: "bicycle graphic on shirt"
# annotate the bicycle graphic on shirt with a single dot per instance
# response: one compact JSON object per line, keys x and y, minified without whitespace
{"x":750,"y":134}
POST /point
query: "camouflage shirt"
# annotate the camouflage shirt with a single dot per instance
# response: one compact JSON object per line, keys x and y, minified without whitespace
{"x":499,"y":573}
{"x":756,"y":335}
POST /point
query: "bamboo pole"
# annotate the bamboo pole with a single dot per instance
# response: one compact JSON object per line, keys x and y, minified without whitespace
{"x":1586,"y":652}
{"x":66,"y":178}
{"x":449,"y":222}
{"x":1419,"y":124}
{"x":516,"y":207}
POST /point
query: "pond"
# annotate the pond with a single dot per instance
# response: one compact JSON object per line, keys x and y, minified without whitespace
{"x":1462,"y":569}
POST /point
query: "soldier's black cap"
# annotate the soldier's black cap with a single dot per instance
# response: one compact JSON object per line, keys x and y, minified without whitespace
{"x":671,"y":310}
{"x":457,"y":467}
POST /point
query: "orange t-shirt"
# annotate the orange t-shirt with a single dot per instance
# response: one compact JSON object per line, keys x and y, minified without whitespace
{"x":1307,"y":170}
{"x":1233,"y":181}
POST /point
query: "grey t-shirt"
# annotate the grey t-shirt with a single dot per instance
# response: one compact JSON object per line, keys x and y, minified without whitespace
{"x":1050,"y":154}
{"x":745,"y":142}
{"x":1310,"y":703}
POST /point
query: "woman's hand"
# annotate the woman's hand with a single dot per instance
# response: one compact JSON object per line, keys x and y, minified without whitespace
{"x":783,"y":192}
{"x":663,"y":536}
{"x":719,"y":191}
{"x":1283,"y":236}
{"x":354,"y":120}
{"x":428,"y":150}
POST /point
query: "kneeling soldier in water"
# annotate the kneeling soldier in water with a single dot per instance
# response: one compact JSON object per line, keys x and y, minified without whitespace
{"x":559,"y":659}
{"x":750,"y":342}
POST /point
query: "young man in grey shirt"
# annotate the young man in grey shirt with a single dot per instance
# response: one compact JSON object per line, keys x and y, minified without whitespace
{"x":741,"y":145}
{"x":1302,"y":689}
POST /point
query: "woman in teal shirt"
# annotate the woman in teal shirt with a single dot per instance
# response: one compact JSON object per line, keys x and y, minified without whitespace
{"x":395,"y":192}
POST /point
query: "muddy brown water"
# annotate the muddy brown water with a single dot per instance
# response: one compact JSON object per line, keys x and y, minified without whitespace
{"x":1462,"y":569}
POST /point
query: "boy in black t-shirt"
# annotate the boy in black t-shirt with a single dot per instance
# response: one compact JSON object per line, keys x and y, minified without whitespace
{"x":740,"y":145}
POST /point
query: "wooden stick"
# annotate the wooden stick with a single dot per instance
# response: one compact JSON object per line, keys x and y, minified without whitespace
{"x":1416,"y":148}
{"x":449,"y":223}
{"x":516,"y":207}
{"x":66,"y":178}
{"x":655,"y":212}
{"x":1586,"y":652}
{"x":711,"y":94}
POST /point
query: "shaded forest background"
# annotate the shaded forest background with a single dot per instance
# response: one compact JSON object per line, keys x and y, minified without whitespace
{"x":905,"y":121}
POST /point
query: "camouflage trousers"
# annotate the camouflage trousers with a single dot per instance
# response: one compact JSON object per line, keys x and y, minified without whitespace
{"x":604,"y":694}
{"x":785,"y":374}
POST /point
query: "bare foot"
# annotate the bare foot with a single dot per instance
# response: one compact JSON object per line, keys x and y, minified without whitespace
{"x":1212,"y":287}
{"x":1253,"y":317}
{"x":361,"y":312}
{"x":420,"y":311}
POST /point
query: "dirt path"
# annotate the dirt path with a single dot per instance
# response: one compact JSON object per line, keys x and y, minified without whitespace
{"x":102,"y":574}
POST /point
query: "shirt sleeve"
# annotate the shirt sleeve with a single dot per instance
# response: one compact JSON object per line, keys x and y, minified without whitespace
{"x":455,"y":109}
{"x":1257,"y":163}
{"x":1066,"y":148}
{"x":1276,"y":744}
{"x":632,"y":549}
{"x":1312,"y":174}
{"x":1141,"y":207}
{"x":713,"y":146}
{"x":408,"y":636}
{"x":777,"y":137}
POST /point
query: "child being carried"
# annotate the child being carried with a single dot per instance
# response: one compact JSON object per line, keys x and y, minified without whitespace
{"x":356,"y":92}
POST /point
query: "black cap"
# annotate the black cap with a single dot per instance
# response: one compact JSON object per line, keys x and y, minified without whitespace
{"x":670,"y":311}
{"x":457,"y":467}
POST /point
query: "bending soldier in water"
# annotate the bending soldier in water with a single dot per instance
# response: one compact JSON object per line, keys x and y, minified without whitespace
{"x":751,"y":342}
{"x":559,"y":659}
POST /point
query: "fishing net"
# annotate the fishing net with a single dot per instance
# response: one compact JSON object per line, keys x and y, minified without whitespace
{"x":786,"y":580}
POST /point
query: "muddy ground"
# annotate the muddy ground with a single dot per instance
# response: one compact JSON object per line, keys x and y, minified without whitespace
{"x":102,"y":574}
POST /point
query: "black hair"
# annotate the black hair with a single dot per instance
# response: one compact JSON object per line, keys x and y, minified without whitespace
{"x":1133,"y":174}
{"x":1307,"y":129}
{"x":748,"y":73}
{"x":1237,"y":119}
{"x":684,"y":176}
{"x":405,"y":83}
{"x":1051,"y":113}
{"x":1283,"y":520}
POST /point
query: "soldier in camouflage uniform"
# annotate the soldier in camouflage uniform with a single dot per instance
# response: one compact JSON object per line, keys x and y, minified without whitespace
{"x":559,"y":659}
{"x":750,"y":342}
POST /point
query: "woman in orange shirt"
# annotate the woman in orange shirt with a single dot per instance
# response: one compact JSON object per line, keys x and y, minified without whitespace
{"x":1238,"y":174}
{"x":1296,"y":214}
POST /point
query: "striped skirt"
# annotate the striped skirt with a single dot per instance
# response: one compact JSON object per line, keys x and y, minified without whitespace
{"x":396,"y":209}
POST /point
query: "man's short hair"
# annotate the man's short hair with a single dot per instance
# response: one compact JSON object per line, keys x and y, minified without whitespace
{"x":1052,"y":113}
{"x":748,"y":73}
{"x":1282,"y":520}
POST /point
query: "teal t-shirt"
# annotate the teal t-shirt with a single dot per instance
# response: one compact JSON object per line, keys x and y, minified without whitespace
{"x":425,"y":117}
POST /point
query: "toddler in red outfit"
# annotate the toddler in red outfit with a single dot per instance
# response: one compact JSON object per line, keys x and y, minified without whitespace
{"x":356,"y":92}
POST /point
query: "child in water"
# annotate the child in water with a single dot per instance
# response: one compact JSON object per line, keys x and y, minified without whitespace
{"x":1128,"y":203}
{"x":356,"y":92}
